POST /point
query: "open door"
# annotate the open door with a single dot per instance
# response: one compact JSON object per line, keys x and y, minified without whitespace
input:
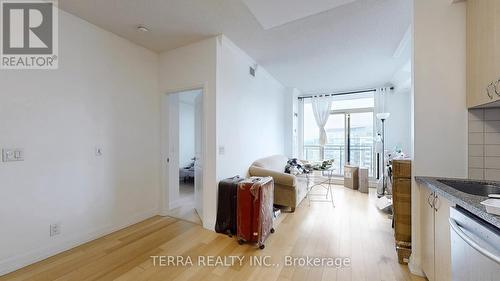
{"x":182,"y":151}
{"x":198,"y":163}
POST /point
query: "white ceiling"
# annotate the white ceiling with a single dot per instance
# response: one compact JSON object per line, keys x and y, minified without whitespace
{"x":348,"y":47}
{"x":278,"y":12}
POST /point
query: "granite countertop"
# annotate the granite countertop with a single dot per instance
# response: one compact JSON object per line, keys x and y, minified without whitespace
{"x":467,"y":201}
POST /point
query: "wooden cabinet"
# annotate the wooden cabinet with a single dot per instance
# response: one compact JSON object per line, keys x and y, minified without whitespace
{"x":483,"y":51}
{"x":402,"y":209}
{"x":435,"y":235}
{"x":401,"y":198}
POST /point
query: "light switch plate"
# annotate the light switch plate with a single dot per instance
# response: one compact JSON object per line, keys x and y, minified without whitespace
{"x":55,"y":229}
{"x":12,"y":154}
{"x":222,"y":150}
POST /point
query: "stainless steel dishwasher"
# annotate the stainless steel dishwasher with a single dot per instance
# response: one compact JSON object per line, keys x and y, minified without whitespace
{"x":475,"y":248}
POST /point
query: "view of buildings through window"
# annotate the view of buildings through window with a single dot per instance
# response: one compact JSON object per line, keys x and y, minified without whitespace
{"x":360,"y":113}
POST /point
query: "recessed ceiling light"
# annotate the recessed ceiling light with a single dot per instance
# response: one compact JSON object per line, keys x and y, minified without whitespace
{"x":142,"y":28}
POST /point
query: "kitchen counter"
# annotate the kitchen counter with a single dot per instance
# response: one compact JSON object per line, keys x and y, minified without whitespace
{"x":467,"y":201}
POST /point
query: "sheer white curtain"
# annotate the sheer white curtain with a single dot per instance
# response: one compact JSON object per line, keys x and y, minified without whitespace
{"x":321,"y":109}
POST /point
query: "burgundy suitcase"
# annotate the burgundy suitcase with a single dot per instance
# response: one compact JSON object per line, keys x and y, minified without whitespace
{"x":255,"y":210}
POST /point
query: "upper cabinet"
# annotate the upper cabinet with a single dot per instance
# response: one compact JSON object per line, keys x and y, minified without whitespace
{"x":483,"y":52}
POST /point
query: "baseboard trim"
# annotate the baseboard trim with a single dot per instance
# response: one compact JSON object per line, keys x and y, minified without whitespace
{"x":19,"y":261}
{"x":164,"y":213}
{"x":210,"y":225}
{"x":415,"y":269}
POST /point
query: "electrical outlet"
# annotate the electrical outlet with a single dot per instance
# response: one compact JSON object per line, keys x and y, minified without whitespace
{"x":55,"y":229}
{"x":10,"y":155}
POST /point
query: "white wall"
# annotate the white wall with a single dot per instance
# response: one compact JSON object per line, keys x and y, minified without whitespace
{"x":186,"y":133}
{"x":105,"y":93}
{"x":186,"y":68}
{"x":250,"y":112}
{"x":440,"y":115}
{"x":292,"y":122}
{"x":247,"y":109}
{"x":398,"y":126}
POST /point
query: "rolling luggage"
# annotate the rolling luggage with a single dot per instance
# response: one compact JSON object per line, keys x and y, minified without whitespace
{"x":226,"y":209}
{"x":255,"y":210}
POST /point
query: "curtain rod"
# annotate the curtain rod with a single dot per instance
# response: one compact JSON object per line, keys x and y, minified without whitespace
{"x":341,"y":93}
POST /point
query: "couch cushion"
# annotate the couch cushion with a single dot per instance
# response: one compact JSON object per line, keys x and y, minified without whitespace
{"x":276,"y":163}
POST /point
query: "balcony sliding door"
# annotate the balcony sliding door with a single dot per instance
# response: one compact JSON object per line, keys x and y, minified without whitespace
{"x":361,"y":151}
{"x":335,"y":148}
{"x":350,"y":137}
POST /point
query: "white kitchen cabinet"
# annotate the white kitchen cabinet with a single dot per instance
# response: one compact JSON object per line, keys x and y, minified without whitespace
{"x":483,"y":51}
{"x":442,"y":243}
{"x":435,"y":235}
{"x":427,"y":232}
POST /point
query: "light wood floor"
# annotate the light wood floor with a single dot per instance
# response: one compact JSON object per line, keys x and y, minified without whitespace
{"x":354,"y":229}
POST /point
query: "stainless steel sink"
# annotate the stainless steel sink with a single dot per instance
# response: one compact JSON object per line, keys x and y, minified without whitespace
{"x":473,"y":187}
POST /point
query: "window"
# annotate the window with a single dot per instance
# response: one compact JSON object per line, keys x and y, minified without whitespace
{"x":353,"y":103}
{"x":350,"y":133}
{"x":361,"y":140}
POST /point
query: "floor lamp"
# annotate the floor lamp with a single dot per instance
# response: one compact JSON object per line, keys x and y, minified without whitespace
{"x":382,"y":117}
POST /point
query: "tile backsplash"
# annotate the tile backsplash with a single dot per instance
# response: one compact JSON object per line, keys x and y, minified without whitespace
{"x":484,"y":144}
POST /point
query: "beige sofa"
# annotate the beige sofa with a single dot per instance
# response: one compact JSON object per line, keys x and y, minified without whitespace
{"x":289,"y":190}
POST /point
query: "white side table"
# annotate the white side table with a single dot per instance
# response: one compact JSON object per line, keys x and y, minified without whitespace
{"x":325,"y":184}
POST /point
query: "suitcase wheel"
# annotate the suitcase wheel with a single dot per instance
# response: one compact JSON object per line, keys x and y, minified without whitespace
{"x":262,"y":247}
{"x":240,"y":241}
{"x":272,"y":230}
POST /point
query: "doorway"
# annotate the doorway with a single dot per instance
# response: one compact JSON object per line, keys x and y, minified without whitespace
{"x":183,"y":111}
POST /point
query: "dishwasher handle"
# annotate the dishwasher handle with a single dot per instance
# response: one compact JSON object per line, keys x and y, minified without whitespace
{"x":473,"y":243}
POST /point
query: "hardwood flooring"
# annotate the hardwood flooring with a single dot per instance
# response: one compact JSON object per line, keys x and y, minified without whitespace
{"x":354,"y":229}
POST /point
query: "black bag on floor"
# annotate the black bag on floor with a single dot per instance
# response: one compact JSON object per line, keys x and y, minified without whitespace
{"x":226,"y":209}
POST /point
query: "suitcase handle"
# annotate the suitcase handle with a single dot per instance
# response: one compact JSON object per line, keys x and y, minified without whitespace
{"x":257,"y":179}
